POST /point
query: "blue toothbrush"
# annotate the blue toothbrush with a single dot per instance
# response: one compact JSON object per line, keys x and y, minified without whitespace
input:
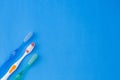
{"x":4,"y":68}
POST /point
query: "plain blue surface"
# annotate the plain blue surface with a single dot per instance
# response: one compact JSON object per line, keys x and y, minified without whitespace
{"x":76,"y":39}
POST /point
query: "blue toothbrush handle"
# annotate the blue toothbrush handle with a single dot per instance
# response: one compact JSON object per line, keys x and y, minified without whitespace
{"x":6,"y":65}
{"x":4,"y":68}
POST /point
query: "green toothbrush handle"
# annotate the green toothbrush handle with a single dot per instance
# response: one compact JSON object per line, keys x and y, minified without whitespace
{"x":19,"y":75}
{"x":25,"y":69}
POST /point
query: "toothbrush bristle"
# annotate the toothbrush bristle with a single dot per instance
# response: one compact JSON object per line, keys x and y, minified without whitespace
{"x":33,"y":59}
{"x":28,"y":36}
{"x":30,"y":47}
{"x":27,"y":51}
{"x":33,"y":44}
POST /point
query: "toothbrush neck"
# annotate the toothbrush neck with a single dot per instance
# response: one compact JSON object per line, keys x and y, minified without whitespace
{"x":21,"y":58}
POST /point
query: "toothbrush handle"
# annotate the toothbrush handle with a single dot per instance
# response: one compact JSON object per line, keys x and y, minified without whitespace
{"x":12,"y":68}
{"x":21,"y":73}
{"x":5,"y":77}
{"x":4,"y":68}
{"x":7,"y":63}
{"x":25,"y":69}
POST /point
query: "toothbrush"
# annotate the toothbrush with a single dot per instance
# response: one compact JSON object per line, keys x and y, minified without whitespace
{"x":17,"y":63}
{"x":13,"y":55}
{"x":30,"y":62}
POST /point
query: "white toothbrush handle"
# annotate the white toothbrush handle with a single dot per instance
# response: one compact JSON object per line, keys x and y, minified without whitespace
{"x":13,"y":68}
{"x":5,"y":77}
{"x":20,"y":60}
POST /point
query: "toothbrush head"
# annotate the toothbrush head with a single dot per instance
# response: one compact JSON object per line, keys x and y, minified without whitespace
{"x":33,"y":59}
{"x":28,"y":37}
{"x":30,"y":48}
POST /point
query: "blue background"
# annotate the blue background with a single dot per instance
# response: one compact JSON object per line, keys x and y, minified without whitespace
{"x":76,"y":39}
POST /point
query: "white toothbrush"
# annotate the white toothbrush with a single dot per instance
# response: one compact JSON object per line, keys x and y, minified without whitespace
{"x":16,"y":64}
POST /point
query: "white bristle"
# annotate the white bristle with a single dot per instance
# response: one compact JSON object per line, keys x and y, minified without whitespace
{"x":29,"y":35}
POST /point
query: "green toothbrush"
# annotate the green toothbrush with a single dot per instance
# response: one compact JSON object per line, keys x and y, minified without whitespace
{"x":30,"y":62}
